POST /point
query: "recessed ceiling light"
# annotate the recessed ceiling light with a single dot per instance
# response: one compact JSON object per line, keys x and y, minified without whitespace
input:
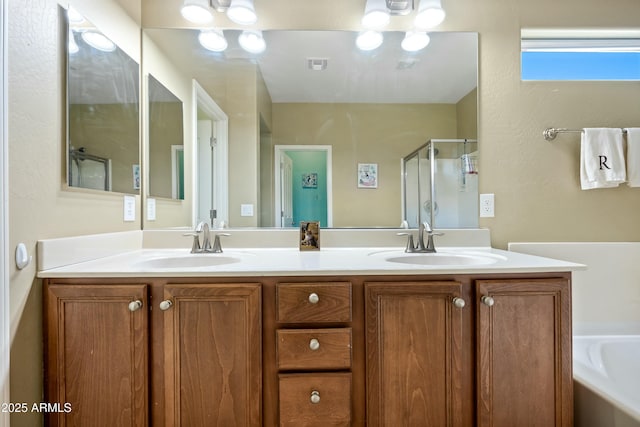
{"x":213,"y":40}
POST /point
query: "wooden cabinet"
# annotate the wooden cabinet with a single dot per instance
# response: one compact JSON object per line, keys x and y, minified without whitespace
{"x":96,"y":354}
{"x":204,"y":354}
{"x":212,"y":355}
{"x":450,"y":350}
{"x":314,"y":362}
{"x":414,"y":353}
{"x":524,"y":353}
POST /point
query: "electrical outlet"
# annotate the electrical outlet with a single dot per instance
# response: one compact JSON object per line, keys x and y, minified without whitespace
{"x":487,"y":209}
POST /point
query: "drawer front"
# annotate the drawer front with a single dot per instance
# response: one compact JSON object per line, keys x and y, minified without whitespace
{"x":315,"y":400}
{"x":314,"y":302}
{"x":306,"y":349}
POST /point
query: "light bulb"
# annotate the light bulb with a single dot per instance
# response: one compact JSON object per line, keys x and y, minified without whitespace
{"x":415,"y":40}
{"x":252,"y":41}
{"x":369,"y":40}
{"x":212,"y":40}
{"x":98,"y":41}
{"x":430,"y":14}
{"x":196,"y":11}
{"x":376,"y":14}
{"x":73,"y":46}
{"x":242,"y":12}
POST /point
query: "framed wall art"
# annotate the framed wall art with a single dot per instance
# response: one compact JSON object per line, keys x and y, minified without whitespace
{"x":367,"y":175}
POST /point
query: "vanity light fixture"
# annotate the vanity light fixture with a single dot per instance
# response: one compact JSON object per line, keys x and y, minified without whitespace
{"x":212,"y":40}
{"x":415,"y":40}
{"x":99,"y":41}
{"x":430,"y":14}
{"x":369,"y":40}
{"x":196,"y":11}
{"x":376,"y":14}
{"x":252,"y":41}
{"x":242,"y":12}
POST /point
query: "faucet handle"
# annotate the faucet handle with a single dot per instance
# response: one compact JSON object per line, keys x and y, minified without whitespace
{"x":195,"y":247}
{"x":410,"y":246}
{"x":217,"y":247}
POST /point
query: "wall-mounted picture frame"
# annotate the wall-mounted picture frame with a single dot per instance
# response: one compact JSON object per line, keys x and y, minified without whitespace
{"x":310,"y":180}
{"x":367,"y":175}
{"x":309,"y":235}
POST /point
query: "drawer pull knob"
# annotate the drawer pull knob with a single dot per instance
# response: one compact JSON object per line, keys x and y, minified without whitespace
{"x":166,"y":305}
{"x":314,"y":344}
{"x":459,"y":302}
{"x":315,"y":397}
{"x":135,"y":305}
{"x":487,"y":300}
{"x":314,"y":298}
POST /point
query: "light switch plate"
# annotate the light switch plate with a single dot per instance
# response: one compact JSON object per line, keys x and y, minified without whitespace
{"x":246,"y":210}
{"x":129,"y":208}
{"x":151,"y":209}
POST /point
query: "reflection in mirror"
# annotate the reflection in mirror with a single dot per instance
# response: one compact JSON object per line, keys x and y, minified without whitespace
{"x":440,"y":184}
{"x":103,"y":112}
{"x":166,"y":142}
{"x":315,"y":88}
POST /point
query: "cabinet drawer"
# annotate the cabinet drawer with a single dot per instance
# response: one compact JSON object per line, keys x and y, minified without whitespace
{"x":314,"y":348}
{"x":314,"y":302}
{"x":315,"y":399}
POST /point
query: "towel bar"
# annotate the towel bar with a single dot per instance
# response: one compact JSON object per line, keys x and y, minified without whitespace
{"x":551,"y":133}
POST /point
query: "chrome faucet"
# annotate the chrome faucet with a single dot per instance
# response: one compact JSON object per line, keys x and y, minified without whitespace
{"x":421,"y":247}
{"x":196,"y":247}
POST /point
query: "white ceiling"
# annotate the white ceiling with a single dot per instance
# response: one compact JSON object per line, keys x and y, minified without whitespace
{"x":443,"y":72}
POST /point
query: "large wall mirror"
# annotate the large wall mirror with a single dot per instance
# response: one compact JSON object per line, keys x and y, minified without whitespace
{"x":330,"y":120}
{"x":166,"y":142}
{"x":103,"y":108}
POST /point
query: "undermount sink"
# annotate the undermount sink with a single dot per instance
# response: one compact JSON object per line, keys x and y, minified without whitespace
{"x":447,"y":259}
{"x":189,"y":261}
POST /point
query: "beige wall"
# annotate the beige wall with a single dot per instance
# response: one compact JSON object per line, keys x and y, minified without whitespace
{"x":38,"y":206}
{"x":535,"y":182}
{"x":169,"y":212}
{"x":364,"y":133}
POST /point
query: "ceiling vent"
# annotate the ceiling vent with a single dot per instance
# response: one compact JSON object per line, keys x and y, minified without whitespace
{"x":317,"y":64}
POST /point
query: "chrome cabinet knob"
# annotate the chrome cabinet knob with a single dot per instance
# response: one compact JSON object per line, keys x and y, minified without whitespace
{"x":459,"y":302}
{"x":314,"y":344}
{"x":315,"y":397}
{"x":135,"y":305}
{"x":166,"y":305}
{"x":487,"y":300}
{"x":314,"y":298}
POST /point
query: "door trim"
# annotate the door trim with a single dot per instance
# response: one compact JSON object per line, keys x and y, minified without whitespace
{"x":202,"y":100}
{"x":278,"y":149}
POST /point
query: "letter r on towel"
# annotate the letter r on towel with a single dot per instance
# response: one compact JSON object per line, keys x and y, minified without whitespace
{"x":603,"y":162}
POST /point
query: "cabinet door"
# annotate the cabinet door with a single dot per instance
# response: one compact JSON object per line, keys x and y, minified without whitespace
{"x":414,"y":345}
{"x":213,"y":355}
{"x":524,"y":353}
{"x":96,"y":355}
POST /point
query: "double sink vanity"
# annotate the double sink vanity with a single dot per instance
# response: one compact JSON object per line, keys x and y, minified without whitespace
{"x":139,"y":331}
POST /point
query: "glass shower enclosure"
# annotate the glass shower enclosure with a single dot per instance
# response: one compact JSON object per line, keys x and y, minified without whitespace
{"x":440,"y":184}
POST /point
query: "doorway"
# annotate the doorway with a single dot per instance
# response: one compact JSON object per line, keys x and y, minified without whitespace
{"x":303,"y":185}
{"x":210,"y":127}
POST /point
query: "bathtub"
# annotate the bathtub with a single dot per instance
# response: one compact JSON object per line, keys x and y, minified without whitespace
{"x":606,"y":370}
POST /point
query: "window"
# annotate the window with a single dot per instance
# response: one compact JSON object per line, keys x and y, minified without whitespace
{"x":580,"y":55}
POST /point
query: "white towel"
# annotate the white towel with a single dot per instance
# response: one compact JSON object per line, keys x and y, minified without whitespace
{"x":602,"y":163}
{"x":633,"y":157}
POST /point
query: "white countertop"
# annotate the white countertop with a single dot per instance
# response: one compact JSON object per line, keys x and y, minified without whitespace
{"x":293,"y":262}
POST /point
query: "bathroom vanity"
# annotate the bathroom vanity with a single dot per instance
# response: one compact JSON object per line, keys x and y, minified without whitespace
{"x":337,"y":337}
